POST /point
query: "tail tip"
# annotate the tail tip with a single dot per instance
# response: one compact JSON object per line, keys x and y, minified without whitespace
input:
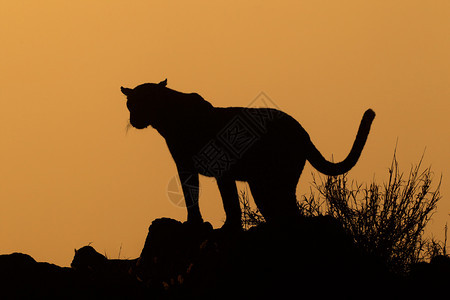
{"x":369,"y":115}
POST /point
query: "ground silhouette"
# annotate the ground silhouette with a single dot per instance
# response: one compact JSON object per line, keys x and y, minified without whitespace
{"x":263,"y":146}
{"x":309,"y":258}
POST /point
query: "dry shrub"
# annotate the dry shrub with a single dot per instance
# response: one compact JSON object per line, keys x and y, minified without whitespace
{"x":385,"y":220}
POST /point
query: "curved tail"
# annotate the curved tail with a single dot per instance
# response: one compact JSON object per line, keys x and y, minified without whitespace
{"x":328,"y":168}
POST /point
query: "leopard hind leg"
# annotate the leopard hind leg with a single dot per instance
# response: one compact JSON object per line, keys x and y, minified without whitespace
{"x":276,"y":198}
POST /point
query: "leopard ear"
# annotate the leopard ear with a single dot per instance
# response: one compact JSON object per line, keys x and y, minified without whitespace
{"x":126,"y":91}
{"x":163,"y":83}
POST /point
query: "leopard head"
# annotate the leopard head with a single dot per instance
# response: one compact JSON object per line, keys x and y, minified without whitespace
{"x":145,"y":103}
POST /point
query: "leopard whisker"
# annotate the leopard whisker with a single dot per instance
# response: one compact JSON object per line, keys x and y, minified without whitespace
{"x":128,"y":126}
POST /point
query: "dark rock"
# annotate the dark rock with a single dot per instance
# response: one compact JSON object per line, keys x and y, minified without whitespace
{"x":21,"y":277}
{"x":170,"y":249}
{"x":104,"y":277}
{"x":266,"y":260}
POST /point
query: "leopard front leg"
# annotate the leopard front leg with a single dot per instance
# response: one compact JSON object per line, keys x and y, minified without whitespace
{"x":230,"y":198}
{"x":190,"y":185}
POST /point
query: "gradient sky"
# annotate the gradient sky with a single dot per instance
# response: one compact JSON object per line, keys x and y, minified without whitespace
{"x":72,"y":174}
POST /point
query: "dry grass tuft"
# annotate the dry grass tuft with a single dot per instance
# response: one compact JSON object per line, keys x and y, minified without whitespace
{"x":386,"y":220}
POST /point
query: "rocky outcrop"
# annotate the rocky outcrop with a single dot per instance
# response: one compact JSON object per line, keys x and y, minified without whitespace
{"x":309,"y":258}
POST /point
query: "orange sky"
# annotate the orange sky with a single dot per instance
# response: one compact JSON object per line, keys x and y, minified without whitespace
{"x":70,"y":173}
